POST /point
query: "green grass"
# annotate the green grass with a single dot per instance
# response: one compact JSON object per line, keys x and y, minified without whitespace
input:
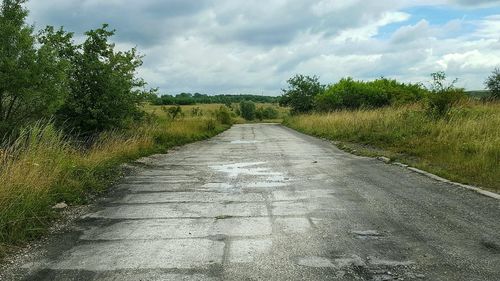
{"x":43,"y":167}
{"x":464,"y":146}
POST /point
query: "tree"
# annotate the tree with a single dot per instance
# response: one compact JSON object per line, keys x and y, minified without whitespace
{"x":301,"y":92}
{"x":247,"y":110}
{"x":104,"y":90}
{"x":493,"y":83}
{"x":33,"y":81}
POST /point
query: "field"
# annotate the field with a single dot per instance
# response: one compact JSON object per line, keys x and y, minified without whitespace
{"x":209,"y":109}
{"x":464,"y":146}
{"x":44,"y":167}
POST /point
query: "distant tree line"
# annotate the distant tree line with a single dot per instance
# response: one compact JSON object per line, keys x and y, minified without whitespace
{"x":85,"y":88}
{"x":197,"y":98}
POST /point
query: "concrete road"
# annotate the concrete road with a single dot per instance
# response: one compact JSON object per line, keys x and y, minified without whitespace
{"x":262,"y":202}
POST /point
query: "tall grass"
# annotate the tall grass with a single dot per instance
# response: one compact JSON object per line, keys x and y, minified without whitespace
{"x":43,"y":167}
{"x":464,"y":146}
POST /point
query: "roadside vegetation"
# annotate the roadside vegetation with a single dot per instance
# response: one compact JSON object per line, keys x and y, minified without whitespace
{"x":243,"y":112}
{"x":70,"y":115}
{"x":437,"y":128}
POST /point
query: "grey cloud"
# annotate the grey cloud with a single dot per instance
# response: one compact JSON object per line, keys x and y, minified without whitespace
{"x":411,"y":33}
{"x":217,"y":46}
{"x":143,"y":22}
{"x":472,"y":3}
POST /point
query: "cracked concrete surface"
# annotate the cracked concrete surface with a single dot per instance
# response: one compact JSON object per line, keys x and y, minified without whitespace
{"x":262,"y":202}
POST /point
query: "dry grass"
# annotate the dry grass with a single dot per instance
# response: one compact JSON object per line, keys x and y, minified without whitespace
{"x":209,"y":109}
{"x":43,"y":167}
{"x":464,"y":146}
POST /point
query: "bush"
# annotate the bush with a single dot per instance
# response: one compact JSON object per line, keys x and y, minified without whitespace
{"x":266,"y":113}
{"x":351,"y":94}
{"x":196,"y":112}
{"x":493,"y":84}
{"x":223,"y":115}
{"x":443,"y":96}
{"x":247,"y":110}
{"x":174,"y":111}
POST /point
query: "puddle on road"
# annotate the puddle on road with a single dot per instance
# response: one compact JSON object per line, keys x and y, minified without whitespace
{"x":248,"y":168}
{"x":266,"y":184}
{"x":217,"y":185}
{"x":260,"y":177}
{"x":245,"y":142}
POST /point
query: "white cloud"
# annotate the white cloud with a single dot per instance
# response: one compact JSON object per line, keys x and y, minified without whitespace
{"x":253,"y":46}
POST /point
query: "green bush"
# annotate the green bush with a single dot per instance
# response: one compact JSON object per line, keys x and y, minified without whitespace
{"x":443,"y":96}
{"x":196,"y":112}
{"x":223,"y":115}
{"x":493,"y":84}
{"x":351,"y":94}
{"x":247,"y":110}
{"x":173,"y":111}
{"x":266,"y":113}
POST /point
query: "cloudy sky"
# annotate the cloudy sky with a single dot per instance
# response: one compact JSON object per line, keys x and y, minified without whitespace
{"x":238,"y":46}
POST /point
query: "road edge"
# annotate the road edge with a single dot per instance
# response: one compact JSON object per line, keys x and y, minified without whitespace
{"x":387,"y":160}
{"x":443,"y":180}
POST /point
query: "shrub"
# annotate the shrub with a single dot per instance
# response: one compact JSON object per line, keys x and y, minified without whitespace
{"x":266,"y":113}
{"x":174,"y":111}
{"x":443,"y":96}
{"x":493,"y":84}
{"x":351,"y":94}
{"x":247,"y":110}
{"x":196,"y":112}
{"x":223,"y":115}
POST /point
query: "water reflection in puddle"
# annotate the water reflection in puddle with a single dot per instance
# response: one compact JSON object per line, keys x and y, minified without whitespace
{"x":262,"y":176}
{"x":236,"y":169}
{"x":245,"y":142}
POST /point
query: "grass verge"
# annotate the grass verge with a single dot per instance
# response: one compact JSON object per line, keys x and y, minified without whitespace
{"x":464,"y":146}
{"x":43,"y":167}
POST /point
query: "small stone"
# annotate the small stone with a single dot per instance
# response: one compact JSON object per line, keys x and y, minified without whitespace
{"x":315,"y":162}
{"x":384,"y":159}
{"x":59,"y":206}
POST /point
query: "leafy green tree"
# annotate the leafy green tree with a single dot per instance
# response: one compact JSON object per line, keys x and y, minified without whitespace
{"x":33,"y":81}
{"x":104,"y":90}
{"x":301,"y":92}
{"x":247,"y":110}
{"x":493,"y":83}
